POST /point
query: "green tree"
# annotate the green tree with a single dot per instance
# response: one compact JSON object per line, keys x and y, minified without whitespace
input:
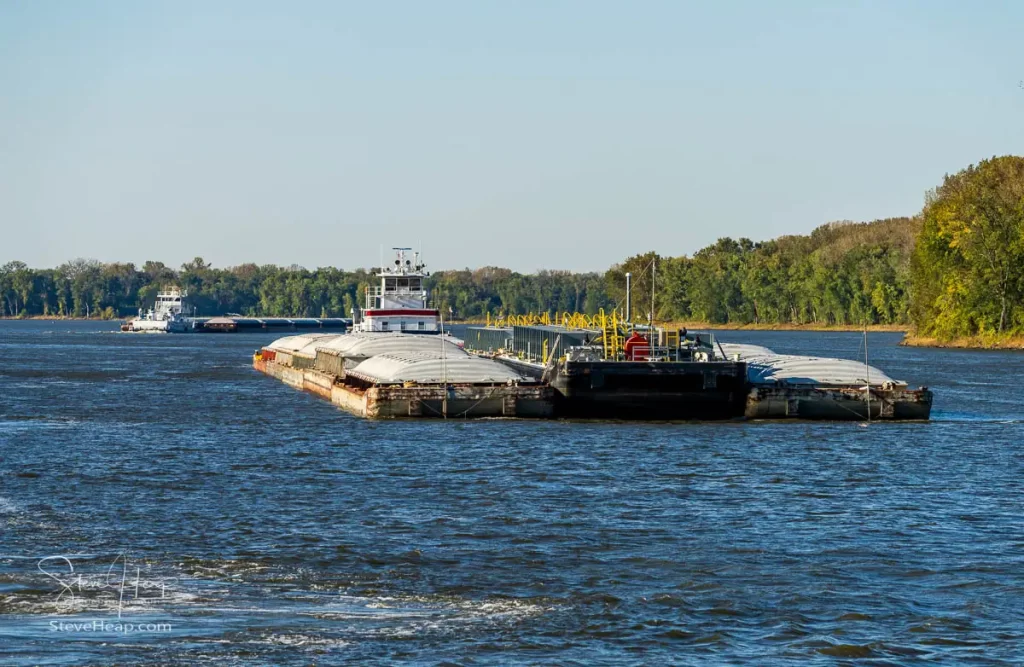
{"x":968,"y":265}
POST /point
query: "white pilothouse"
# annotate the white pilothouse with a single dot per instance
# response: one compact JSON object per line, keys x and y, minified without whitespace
{"x":399,"y":303}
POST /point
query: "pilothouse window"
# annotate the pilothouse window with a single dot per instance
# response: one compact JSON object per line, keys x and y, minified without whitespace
{"x":402,"y":284}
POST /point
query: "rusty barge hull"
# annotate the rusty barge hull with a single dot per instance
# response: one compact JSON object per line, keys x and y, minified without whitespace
{"x":838,"y":403}
{"x":428,"y":401}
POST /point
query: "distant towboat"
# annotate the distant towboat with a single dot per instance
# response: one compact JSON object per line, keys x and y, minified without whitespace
{"x":166,"y":315}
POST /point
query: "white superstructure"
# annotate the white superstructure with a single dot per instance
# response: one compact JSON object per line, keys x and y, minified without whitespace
{"x":399,"y":302}
{"x":166,"y":315}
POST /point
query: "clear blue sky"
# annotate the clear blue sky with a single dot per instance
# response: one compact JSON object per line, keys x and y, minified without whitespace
{"x":521,"y":134}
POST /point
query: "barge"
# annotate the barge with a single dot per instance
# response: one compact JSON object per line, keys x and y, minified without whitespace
{"x":785,"y":386}
{"x":399,"y":362}
{"x":410,"y":384}
{"x":672,"y":390}
{"x":687,"y":376}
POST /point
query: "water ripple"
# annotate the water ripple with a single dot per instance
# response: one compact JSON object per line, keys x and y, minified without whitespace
{"x":261,"y":525}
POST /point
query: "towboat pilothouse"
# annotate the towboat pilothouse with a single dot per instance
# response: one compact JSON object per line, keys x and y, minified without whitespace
{"x":399,"y":302}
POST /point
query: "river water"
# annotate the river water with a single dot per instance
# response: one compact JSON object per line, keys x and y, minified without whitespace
{"x":161,"y":502}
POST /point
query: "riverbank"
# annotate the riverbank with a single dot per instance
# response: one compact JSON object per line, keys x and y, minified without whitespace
{"x":764,"y":326}
{"x":992,"y":342}
{"x":55,"y":318}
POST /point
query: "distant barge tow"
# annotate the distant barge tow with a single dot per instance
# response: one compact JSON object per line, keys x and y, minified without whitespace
{"x":168,"y":316}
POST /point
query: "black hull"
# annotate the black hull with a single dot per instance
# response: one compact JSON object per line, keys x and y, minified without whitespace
{"x":650,"y":390}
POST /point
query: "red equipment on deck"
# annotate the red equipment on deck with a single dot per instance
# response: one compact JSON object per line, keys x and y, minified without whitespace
{"x":637,"y":348}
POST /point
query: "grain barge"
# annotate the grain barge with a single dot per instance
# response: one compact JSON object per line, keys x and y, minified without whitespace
{"x":398,"y":362}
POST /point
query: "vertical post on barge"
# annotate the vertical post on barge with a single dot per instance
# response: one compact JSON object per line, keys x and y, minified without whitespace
{"x":629,"y":298}
{"x":650,"y":332}
{"x":867,"y":373}
{"x":444,"y":367}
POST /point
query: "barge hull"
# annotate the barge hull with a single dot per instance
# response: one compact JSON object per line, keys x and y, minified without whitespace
{"x":384,"y":402}
{"x":650,"y":390}
{"x":838,"y":403}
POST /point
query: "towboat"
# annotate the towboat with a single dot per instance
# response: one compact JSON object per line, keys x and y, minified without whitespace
{"x":166,"y":315}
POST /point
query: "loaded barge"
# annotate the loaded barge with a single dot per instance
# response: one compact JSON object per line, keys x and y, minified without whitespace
{"x":384,"y":374}
{"x":398,"y":362}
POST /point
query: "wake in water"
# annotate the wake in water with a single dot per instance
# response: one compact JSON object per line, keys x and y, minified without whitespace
{"x":266,"y":527}
{"x":956,"y":417}
{"x":102,"y":606}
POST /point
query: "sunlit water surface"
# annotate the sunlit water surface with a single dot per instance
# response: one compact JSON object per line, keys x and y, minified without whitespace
{"x":208,"y":513}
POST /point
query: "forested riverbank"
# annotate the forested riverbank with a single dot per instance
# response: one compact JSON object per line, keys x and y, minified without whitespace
{"x":990,"y":342}
{"x":953,"y":273}
{"x":842,"y":274}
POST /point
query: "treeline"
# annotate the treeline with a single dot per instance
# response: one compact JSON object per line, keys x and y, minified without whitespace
{"x":83,"y":288}
{"x":88,"y":288}
{"x":956,"y":269}
{"x":842,"y":273}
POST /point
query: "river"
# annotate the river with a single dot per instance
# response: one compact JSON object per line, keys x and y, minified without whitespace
{"x":163,"y":503}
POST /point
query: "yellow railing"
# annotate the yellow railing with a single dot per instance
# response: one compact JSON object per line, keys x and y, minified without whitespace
{"x":528,"y":319}
{"x":609,"y":325}
{"x":565,"y":319}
